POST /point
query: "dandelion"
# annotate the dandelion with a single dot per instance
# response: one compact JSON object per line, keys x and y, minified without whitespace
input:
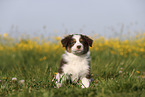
{"x":58,"y":38}
{"x":121,"y":53}
{"x":129,"y":50}
{"x":14,"y":79}
{"x":138,"y":72}
{"x":106,"y":42}
{"x":100,"y":44}
{"x":4,"y":78}
{"x":126,"y":41}
{"x":41,"y":59}
{"x":135,"y":54}
{"x":96,"y":48}
{"x":113,"y":52}
{"x":55,"y":72}
{"x":5,"y":35}
{"x":142,"y":76}
{"x":44,"y":58}
{"x":142,"y":49}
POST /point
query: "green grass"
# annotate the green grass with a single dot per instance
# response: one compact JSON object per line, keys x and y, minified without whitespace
{"x":38,"y":75}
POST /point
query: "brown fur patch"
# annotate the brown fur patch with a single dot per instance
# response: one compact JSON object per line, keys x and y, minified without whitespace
{"x":88,"y":76}
{"x":66,"y":40}
{"x":86,"y":41}
{"x":62,"y":62}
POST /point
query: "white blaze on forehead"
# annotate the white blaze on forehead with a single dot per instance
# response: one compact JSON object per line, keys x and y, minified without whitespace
{"x":75,"y":46}
{"x":76,"y":37}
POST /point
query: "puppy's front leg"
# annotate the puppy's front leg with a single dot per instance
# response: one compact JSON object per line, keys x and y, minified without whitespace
{"x":59,"y":79}
{"x":85,"y":82}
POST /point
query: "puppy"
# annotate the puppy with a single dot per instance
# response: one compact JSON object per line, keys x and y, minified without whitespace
{"x":75,"y":63}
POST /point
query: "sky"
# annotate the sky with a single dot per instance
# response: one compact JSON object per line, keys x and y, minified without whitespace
{"x":59,"y":17}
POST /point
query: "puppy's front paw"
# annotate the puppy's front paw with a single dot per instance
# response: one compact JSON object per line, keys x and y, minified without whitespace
{"x":85,"y":83}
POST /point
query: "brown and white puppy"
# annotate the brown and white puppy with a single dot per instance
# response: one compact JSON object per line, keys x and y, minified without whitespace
{"x":76,"y":60}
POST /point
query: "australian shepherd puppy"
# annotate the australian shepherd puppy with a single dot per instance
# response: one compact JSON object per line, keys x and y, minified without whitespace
{"x":75,"y":63}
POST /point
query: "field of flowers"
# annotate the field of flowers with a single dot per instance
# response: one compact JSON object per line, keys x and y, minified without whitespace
{"x":28,"y":67}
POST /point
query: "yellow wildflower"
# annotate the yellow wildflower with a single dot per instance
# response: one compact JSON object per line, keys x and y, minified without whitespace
{"x":142,"y":49}
{"x":105,"y":42}
{"x":58,"y":38}
{"x":40,"y":59}
{"x":137,"y":71}
{"x":126,"y":41}
{"x":44,"y":58}
{"x":129,"y":50}
{"x":4,"y":78}
{"x":113,"y":52}
{"x":96,"y":48}
{"x":121,"y":53}
{"x":5,"y":34}
{"x":135,"y":54}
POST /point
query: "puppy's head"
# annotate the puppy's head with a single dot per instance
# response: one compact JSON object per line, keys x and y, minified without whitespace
{"x":77,"y":44}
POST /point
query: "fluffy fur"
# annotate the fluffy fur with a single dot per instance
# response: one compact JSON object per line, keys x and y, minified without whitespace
{"x":75,"y":62}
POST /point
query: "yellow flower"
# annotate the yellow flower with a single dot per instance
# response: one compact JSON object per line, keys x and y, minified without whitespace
{"x":142,"y":49}
{"x":105,"y":42}
{"x":113,"y":52}
{"x":126,"y":41}
{"x":40,"y":59}
{"x":100,"y":44}
{"x":96,"y":48}
{"x":137,"y":71}
{"x":55,"y":72}
{"x":117,"y":46}
{"x":121,"y":53}
{"x":58,"y":38}
{"x":135,"y":54}
{"x":5,"y":35}
{"x":129,"y":50}
{"x":44,"y":58}
{"x":4,"y":78}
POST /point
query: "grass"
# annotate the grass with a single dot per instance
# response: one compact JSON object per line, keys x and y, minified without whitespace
{"x":113,"y":74}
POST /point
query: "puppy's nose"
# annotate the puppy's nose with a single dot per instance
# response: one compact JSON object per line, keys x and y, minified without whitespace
{"x":79,"y":46}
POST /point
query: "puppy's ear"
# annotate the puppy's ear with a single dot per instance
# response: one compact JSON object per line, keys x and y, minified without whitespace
{"x":66,"y":40}
{"x":88,"y":40}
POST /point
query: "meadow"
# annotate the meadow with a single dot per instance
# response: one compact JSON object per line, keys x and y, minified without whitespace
{"x":28,"y":67}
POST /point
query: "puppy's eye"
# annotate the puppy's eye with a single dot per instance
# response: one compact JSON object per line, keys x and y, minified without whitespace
{"x":73,"y":42}
{"x":81,"y":41}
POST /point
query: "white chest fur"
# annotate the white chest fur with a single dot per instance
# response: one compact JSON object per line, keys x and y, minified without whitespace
{"x":77,"y":66}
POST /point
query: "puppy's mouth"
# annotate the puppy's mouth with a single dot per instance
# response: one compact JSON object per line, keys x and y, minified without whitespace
{"x":78,"y":51}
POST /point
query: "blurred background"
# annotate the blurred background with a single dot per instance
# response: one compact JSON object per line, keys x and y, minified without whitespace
{"x":108,"y":18}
